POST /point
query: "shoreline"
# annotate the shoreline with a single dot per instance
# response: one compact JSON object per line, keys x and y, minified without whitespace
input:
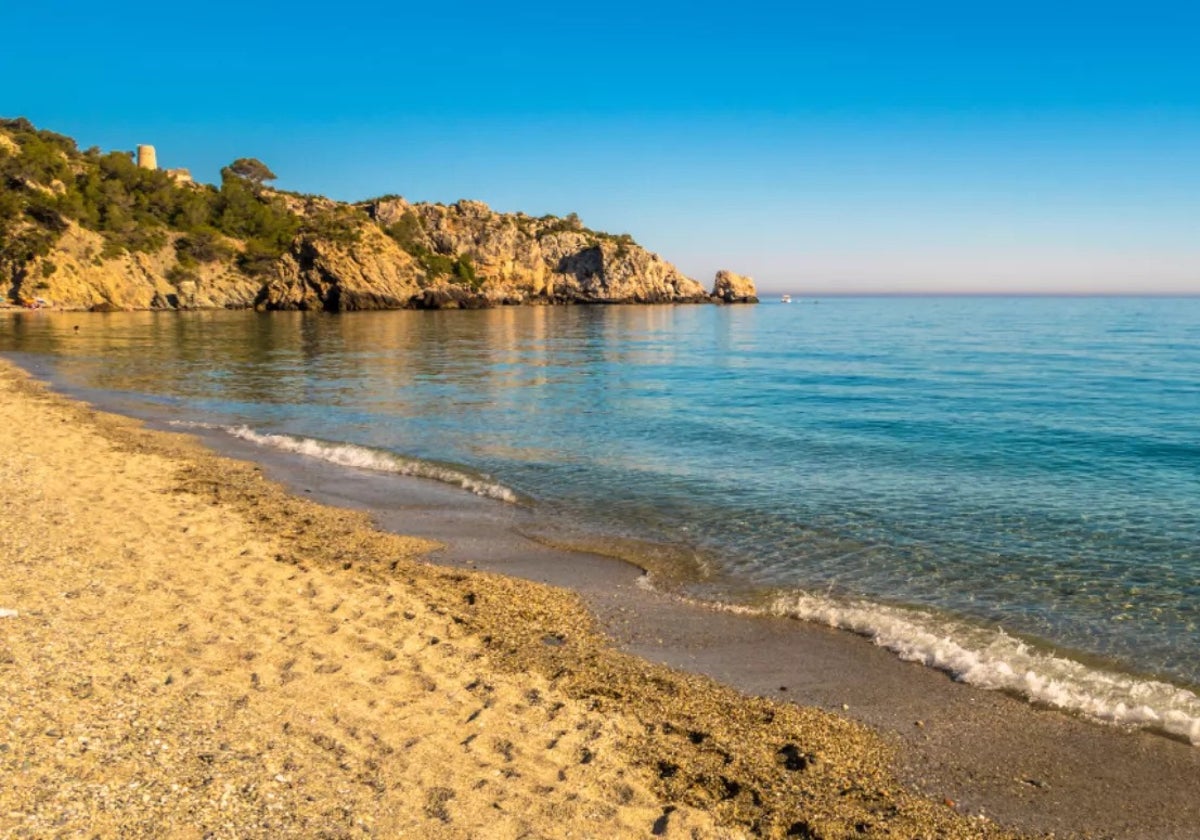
{"x":1046,"y":633}
{"x":1033,"y":668}
{"x":194,"y":649}
{"x":1031,"y":768}
{"x":967,"y":742}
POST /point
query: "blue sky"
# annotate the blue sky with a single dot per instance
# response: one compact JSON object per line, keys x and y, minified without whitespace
{"x":853,"y":147}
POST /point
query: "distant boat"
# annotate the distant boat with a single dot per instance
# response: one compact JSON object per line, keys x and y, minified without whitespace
{"x":786,"y":299}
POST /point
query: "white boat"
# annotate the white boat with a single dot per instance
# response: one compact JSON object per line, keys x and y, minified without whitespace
{"x":785,"y":299}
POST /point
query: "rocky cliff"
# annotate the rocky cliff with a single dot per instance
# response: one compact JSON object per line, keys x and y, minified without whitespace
{"x":83,"y":230}
{"x":73,"y":275}
{"x":517,"y":258}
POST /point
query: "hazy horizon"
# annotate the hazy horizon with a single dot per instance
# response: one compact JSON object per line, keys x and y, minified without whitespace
{"x":867,"y":149}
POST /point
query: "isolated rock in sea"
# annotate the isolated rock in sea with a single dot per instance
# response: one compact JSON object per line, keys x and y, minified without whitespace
{"x":734,"y":288}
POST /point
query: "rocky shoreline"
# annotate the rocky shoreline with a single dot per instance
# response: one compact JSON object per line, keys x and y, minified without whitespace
{"x":83,"y":230}
{"x":371,"y":272}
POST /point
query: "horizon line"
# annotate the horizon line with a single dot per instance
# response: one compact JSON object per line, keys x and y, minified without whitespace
{"x":1164,"y":295}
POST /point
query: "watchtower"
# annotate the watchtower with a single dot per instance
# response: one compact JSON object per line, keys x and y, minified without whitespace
{"x":146,"y":158}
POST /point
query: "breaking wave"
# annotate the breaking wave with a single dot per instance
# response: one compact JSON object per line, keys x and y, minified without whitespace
{"x":351,"y":455}
{"x":992,"y":659}
{"x":362,"y":457}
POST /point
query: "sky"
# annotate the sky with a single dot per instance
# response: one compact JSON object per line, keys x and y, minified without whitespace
{"x":848,"y":147}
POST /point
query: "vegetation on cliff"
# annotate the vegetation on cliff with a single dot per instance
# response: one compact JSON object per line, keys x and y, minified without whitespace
{"x":85,"y":228}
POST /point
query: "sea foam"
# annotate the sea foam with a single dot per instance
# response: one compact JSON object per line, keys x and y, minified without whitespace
{"x":993,"y":659}
{"x":362,"y":457}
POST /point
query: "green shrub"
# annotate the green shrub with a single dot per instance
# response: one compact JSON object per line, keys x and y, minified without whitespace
{"x":203,"y":245}
{"x":464,"y":272}
{"x":43,"y":210}
{"x":259,"y":257}
{"x":435,"y":265}
{"x":342,"y":225}
{"x":177,"y":274}
{"x":408,"y":231}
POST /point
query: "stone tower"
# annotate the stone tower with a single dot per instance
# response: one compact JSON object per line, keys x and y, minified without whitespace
{"x":146,"y":158}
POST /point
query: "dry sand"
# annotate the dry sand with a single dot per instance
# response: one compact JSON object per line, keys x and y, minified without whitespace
{"x":198,"y":654}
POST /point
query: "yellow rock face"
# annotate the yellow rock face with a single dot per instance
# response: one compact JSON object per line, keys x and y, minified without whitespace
{"x":76,"y":276}
{"x":459,"y":255}
{"x":734,"y":288}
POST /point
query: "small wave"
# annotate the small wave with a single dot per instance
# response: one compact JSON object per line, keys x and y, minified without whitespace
{"x":193,"y":424}
{"x":362,"y":457}
{"x":992,"y":659}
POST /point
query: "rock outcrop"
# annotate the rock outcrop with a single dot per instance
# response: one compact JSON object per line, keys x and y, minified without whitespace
{"x":513,"y":259}
{"x":734,"y":288}
{"x":70,"y":239}
{"x":76,"y":274}
{"x":319,"y":274}
{"x":521,"y":259}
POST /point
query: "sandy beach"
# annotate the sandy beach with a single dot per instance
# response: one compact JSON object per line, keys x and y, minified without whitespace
{"x":189,"y":651}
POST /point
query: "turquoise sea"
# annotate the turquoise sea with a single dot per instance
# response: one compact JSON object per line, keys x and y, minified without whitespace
{"x":1004,"y":488}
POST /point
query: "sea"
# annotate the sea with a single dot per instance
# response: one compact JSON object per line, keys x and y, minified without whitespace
{"x":1007,"y":489}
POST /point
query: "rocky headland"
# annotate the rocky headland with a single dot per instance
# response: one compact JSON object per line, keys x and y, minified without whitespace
{"x":93,"y":230}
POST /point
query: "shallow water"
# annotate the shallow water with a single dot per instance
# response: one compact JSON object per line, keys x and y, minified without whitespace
{"x":1004,"y":488}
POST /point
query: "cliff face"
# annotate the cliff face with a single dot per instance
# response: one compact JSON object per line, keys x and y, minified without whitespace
{"x":514,"y":260}
{"x":320,"y":274}
{"x":76,"y":275}
{"x":91,"y":231}
{"x":521,"y":259}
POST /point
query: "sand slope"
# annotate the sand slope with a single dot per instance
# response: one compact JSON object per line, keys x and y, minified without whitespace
{"x":197,"y":654}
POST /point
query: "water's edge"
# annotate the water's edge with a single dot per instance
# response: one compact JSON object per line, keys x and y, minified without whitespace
{"x":984,"y":750}
{"x":471,"y":521}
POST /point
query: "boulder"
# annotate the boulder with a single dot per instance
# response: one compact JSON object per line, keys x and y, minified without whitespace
{"x":733,"y":288}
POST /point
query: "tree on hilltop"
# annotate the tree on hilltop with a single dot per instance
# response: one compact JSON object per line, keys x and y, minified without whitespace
{"x":251,"y":170}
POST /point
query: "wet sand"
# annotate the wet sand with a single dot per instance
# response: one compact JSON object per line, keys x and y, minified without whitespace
{"x":198,"y":652}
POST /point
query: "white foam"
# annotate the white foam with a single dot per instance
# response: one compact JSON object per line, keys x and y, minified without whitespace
{"x":992,"y":659}
{"x":6,"y":613}
{"x":362,"y":457}
{"x":193,"y":424}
